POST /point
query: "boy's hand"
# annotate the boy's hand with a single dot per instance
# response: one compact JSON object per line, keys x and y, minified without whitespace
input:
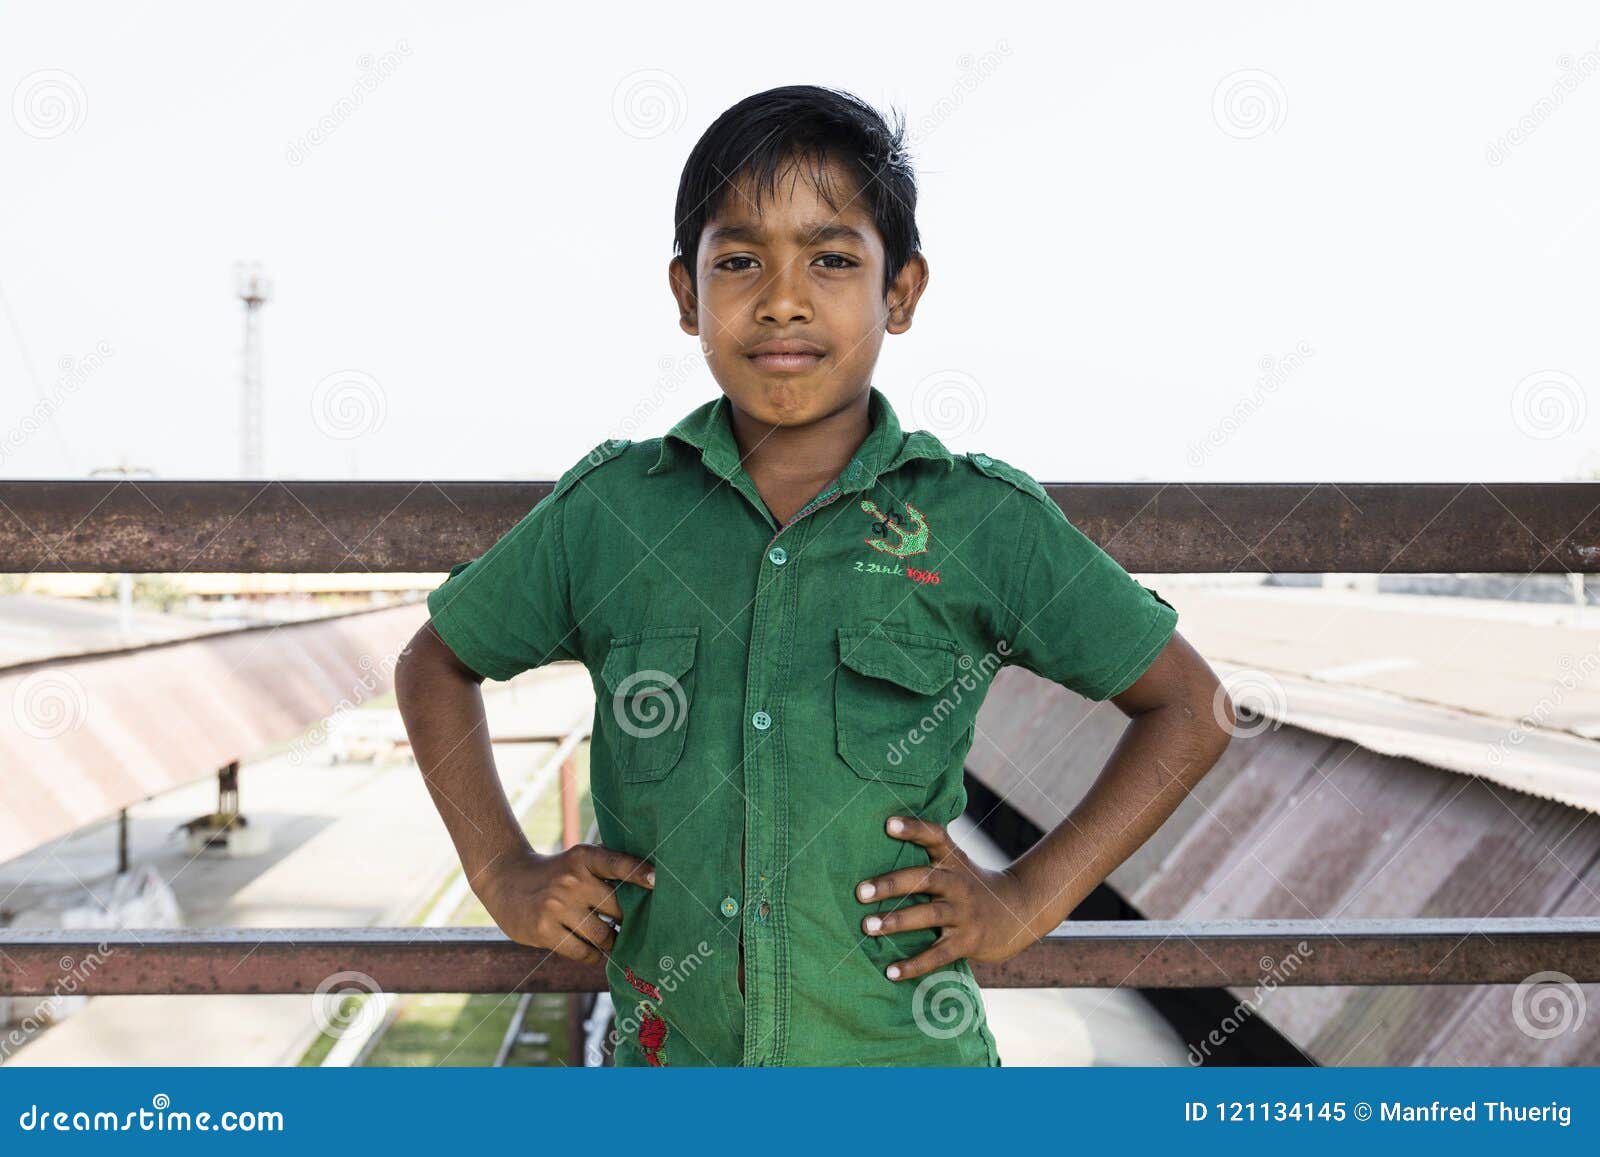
{"x":556,"y":901}
{"x":983,"y":914}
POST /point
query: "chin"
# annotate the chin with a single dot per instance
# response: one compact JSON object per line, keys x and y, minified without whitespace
{"x":786,"y":401}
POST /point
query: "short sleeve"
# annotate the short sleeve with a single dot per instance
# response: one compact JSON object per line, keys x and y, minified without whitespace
{"x":508,"y":610}
{"x":1080,"y":619}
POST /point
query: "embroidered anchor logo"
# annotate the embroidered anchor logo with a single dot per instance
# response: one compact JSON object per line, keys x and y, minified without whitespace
{"x":908,"y":539}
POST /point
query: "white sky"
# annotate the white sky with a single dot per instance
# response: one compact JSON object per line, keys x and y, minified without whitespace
{"x":1113,"y":252}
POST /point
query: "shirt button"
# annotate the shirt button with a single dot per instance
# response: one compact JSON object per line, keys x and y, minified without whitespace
{"x":778,"y":555}
{"x":730,"y":906}
{"x":983,"y":460}
{"x":761,"y":720}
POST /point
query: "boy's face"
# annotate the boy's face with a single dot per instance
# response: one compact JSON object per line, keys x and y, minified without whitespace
{"x":800,"y":272}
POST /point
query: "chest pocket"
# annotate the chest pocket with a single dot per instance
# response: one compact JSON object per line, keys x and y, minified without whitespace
{"x":649,"y":677}
{"x":893,"y":723}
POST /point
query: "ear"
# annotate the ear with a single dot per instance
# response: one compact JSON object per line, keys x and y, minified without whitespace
{"x":683,"y":292}
{"x":904,"y":293}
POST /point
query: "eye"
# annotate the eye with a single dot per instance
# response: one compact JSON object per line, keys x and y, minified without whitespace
{"x":848,"y":263}
{"x":727,"y":263}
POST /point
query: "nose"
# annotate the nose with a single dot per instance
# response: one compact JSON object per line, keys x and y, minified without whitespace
{"x":785,"y":296}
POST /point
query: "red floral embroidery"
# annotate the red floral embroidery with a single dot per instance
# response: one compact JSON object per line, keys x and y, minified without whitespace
{"x":652,"y":1035}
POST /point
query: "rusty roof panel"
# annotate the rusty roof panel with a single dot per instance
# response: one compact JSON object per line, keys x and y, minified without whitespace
{"x":1298,"y":825}
{"x":93,"y":734}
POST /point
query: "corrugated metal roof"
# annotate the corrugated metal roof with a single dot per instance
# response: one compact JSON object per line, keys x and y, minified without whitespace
{"x":35,"y":628}
{"x":91,"y":734}
{"x":1540,"y":761}
{"x":1296,"y":824}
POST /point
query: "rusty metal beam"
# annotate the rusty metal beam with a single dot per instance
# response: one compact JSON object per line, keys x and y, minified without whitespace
{"x":1083,"y":954}
{"x":136,"y":525}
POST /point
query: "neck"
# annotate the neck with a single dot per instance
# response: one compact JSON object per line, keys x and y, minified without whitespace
{"x":797,"y":455}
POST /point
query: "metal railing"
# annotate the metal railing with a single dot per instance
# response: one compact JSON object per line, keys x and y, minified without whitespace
{"x":319,"y":527}
{"x":1079,"y":954}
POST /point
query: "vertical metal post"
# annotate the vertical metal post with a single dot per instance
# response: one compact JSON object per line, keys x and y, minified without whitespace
{"x":569,"y":804}
{"x":255,"y":291}
{"x":228,"y":790}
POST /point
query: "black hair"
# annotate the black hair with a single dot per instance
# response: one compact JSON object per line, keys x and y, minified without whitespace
{"x":802,"y":124}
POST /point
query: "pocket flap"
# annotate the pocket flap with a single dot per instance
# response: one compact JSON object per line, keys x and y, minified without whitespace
{"x":920,"y":663}
{"x":666,"y":652}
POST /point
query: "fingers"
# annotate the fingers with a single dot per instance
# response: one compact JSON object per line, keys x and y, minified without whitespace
{"x":575,"y":947}
{"x":933,"y":914}
{"x":589,"y":892}
{"x":607,"y":903}
{"x":589,"y":927}
{"x":604,"y":866}
{"x":942,"y":951}
{"x":577,"y":892}
{"x":930,"y":835}
{"x":905,"y":882}
{"x":620,"y":866}
{"x":943,"y":853}
{"x":576,"y":933}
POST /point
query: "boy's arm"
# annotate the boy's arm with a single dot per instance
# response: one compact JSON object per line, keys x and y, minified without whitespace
{"x":1182,"y":720}
{"x":546,"y":901}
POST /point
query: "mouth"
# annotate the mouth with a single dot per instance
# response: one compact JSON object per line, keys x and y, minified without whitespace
{"x":785,"y":363}
{"x":786,"y":356}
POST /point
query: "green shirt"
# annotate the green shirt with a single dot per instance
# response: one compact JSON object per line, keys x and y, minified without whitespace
{"x":792,"y":686}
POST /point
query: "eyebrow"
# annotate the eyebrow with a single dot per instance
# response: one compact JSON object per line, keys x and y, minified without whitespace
{"x":808,"y":233}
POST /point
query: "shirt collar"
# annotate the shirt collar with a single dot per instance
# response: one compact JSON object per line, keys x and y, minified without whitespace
{"x":709,"y":429}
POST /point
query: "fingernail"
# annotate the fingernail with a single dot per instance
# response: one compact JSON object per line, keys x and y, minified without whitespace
{"x":874,"y":923}
{"x":892,"y":972}
{"x":895,"y":825}
{"x":652,"y":877}
{"x":865,"y":891}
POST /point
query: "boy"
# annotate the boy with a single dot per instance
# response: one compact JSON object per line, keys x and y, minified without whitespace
{"x":791,"y":610}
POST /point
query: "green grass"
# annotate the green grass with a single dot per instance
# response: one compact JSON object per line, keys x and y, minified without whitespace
{"x":451,"y":1029}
